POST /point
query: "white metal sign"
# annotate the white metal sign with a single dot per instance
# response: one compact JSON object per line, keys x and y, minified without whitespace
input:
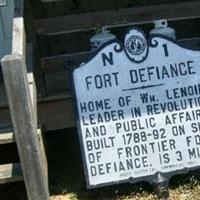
{"x":138,"y":107}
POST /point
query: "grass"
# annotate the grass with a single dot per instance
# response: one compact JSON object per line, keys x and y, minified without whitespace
{"x":67,"y":181}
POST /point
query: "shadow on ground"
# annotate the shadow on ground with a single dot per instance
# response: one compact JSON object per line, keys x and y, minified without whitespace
{"x":66,"y":170}
{"x":66,"y":175}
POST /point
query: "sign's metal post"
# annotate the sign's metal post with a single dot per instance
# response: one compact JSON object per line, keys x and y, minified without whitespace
{"x":161,"y":187}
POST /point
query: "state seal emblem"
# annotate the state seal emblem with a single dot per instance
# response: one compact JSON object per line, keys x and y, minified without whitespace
{"x":136,"y":46}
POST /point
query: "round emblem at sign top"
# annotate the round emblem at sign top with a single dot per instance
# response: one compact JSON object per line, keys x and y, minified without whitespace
{"x":136,"y":46}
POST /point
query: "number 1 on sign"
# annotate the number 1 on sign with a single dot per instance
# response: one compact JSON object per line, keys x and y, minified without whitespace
{"x":165,"y":50}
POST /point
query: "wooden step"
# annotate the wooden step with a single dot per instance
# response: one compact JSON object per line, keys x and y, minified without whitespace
{"x":6,"y":132}
{"x":118,"y":18}
{"x":10,"y":173}
{"x":7,"y":135}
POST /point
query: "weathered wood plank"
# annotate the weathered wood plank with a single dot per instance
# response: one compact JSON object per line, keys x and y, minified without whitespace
{"x":33,"y":50}
{"x":54,"y":113}
{"x":25,"y":127}
{"x":31,"y":80}
{"x":7,"y":135}
{"x":10,"y":173}
{"x":43,"y":153}
{"x":57,"y":114}
{"x":122,"y":17}
{"x":33,"y":94}
{"x":6,"y":132}
{"x":19,"y":38}
{"x":66,"y":7}
{"x":56,"y":63}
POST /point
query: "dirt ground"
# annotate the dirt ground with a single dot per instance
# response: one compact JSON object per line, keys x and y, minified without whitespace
{"x":67,"y":181}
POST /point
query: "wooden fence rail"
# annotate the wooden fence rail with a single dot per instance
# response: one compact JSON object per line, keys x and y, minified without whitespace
{"x":25,"y":127}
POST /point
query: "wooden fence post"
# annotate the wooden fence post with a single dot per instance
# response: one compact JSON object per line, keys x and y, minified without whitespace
{"x":25,"y":127}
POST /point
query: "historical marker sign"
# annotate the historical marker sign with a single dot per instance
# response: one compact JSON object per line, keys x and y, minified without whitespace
{"x":138,"y":107}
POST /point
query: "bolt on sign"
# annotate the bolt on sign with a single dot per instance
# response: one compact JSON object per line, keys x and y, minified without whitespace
{"x":138,"y":110}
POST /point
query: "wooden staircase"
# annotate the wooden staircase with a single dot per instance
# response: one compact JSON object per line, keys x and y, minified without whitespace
{"x":23,"y":129}
{"x":12,"y":172}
